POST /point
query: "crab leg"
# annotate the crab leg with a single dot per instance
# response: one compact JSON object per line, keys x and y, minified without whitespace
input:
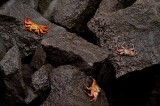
{"x":37,"y":31}
{"x":88,"y":94}
{"x":122,"y":45}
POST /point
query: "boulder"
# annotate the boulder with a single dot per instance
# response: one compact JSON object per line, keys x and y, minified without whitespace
{"x":41,"y":79}
{"x":67,"y":88}
{"x":12,"y":33}
{"x":66,"y":48}
{"x":39,"y":58}
{"x":11,"y":27}
{"x":61,"y":39}
{"x":11,"y":68}
{"x":137,"y":24}
{"x":27,"y":73}
{"x":137,"y":88}
{"x":72,"y":14}
{"x":31,"y":95}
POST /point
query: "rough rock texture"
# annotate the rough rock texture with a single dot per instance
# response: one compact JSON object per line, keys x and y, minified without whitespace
{"x":12,"y":28}
{"x":39,"y":58}
{"x":43,"y":5}
{"x":31,"y":95}
{"x":27,"y":72}
{"x":11,"y":62}
{"x":19,"y":10}
{"x":12,"y":33}
{"x":2,"y":2}
{"x":67,"y":89}
{"x":68,"y":42}
{"x":138,"y":24}
{"x":72,"y":14}
{"x":40,"y":79}
{"x":2,"y":48}
{"x":11,"y":68}
{"x":138,"y":88}
{"x":32,"y":3}
{"x":27,"y":41}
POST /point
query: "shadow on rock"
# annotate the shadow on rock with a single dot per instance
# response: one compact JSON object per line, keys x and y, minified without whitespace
{"x":138,"y":88}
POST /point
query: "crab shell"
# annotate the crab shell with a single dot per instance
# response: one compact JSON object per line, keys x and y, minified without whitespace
{"x":95,"y":89}
{"x":129,"y":52}
{"x":124,"y":51}
{"x":36,"y":28}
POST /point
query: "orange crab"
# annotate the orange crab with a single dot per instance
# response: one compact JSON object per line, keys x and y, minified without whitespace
{"x":95,"y":89}
{"x":33,"y":27}
{"x":126,"y":51}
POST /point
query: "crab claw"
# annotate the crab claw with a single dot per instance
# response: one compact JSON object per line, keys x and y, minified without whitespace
{"x":27,"y":21}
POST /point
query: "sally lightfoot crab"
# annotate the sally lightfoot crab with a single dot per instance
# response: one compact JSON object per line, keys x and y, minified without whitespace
{"x":126,"y":51}
{"x":94,"y":90}
{"x":36,"y":28}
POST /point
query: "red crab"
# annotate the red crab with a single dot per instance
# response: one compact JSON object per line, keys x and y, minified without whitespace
{"x":95,"y":89}
{"x":36,"y":28}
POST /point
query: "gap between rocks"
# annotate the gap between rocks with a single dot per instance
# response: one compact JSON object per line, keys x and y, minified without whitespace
{"x":56,"y":58}
{"x":80,"y":28}
{"x":137,"y":88}
{"x":86,"y":34}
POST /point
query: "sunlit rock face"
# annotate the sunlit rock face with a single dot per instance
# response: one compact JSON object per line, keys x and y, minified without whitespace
{"x":137,"y":24}
{"x":71,"y":14}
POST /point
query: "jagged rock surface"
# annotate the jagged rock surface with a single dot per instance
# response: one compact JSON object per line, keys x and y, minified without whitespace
{"x":67,"y":88}
{"x":72,"y":14}
{"x":70,"y":43}
{"x":2,"y":48}
{"x":11,"y":68}
{"x":115,"y":21}
{"x":138,"y":24}
{"x":39,"y":58}
{"x":41,"y":79}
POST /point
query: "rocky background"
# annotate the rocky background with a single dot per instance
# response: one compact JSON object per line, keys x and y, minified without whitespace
{"x":50,"y":70}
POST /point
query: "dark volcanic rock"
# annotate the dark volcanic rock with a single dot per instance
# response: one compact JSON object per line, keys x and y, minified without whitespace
{"x":2,"y":48}
{"x":138,"y":24}
{"x":12,"y":28}
{"x":62,"y":40}
{"x":27,"y":72}
{"x":39,"y":58}
{"x":138,"y":88}
{"x":43,"y":5}
{"x":11,"y":67}
{"x":12,"y":33}
{"x":72,"y":14}
{"x":19,"y":10}
{"x":41,"y":79}
{"x":2,"y":2}
{"x":11,"y":62}
{"x":67,"y":89}
{"x":32,"y":3}
{"x":104,"y":72}
{"x":2,"y":89}
{"x":31,"y":95}
{"x":66,"y":47}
